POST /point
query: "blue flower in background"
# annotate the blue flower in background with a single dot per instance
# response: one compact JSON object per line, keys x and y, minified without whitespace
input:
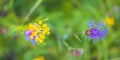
{"x":96,"y":31}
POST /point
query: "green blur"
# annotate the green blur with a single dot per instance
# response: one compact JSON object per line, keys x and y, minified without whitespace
{"x":67,"y":20}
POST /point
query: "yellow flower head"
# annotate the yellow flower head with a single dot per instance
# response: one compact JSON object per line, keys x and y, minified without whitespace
{"x":109,"y":21}
{"x":40,"y":22}
{"x":31,"y":27}
{"x":40,"y":58}
{"x":36,"y":32}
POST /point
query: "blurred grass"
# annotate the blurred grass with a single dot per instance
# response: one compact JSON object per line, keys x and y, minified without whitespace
{"x":66,"y":19}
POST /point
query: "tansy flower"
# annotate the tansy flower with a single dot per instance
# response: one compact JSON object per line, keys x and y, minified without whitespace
{"x":96,"y":32}
{"x":40,"y":58}
{"x":36,"y":32}
{"x":109,"y":21}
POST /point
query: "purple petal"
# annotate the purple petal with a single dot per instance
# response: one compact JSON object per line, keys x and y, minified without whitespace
{"x":103,"y":33}
{"x":95,"y":39}
{"x":27,"y":38}
{"x":34,"y":42}
{"x":100,"y":25}
{"x":91,"y":24}
{"x":91,"y":36}
{"x":94,"y":32}
{"x":28,"y":32}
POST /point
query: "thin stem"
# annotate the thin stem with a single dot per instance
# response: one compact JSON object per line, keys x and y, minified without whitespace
{"x":67,"y":45}
{"x":32,"y":10}
{"x":76,"y":36}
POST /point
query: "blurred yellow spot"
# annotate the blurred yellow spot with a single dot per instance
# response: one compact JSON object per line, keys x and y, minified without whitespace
{"x":35,"y":24}
{"x":44,"y":25}
{"x":39,"y":27}
{"x":48,"y":33}
{"x":40,"y":22}
{"x":37,"y":31}
{"x":37,"y":38}
{"x":34,"y":33}
{"x":31,"y":27}
{"x":42,"y":37}
{"x":40,"y":58}
{"x":41,"y":41}
{"x":47,"y":29}
{"x":43,"y":32}
{"x":31,"y":36}
{"x":109,"y":21}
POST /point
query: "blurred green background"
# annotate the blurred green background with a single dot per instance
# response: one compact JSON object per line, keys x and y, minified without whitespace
{"x":67,"y":20}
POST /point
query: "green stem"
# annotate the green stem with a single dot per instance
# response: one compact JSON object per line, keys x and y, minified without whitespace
{"x":32,"y":10}
{"x":66,"y":45}
{"x":76,"y":36}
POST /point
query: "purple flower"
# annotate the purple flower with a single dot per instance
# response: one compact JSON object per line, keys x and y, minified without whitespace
{"x":33,"y":41}
{"x":28,"y":33}
{"x":96,"y":32}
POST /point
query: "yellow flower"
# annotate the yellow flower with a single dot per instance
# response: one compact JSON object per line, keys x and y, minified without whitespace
{"x":31,"y":27}
{"x":40,"y":58}
{"x":42,"y":37}
{"x":39,"y":27}
{"x":47,"y":28}
{"x":37,"y":38}
{"x":40,"y":22}
{"x":43,"y":32}
{"x":39,"y":31}
{"x":31,"y":36}
{"x":109,"y":21}
{"x":41,"y":41}
{"x":44,"y":25}
{"x":34,"y":33}
{"x":48,"y":33}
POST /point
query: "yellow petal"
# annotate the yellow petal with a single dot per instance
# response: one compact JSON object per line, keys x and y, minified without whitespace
{"x":48,"y":33}
{"x":40,"y":22}
{"x":41,"y":41}
{"x":109,"y":21}
{"x":47,"y":29}
{"x":39,"y":27}
{"x":40,"y":58}
{"x":43,"y":32}
{"x":31,"y":37}
{"x":34,"y":33}
{"x":44,"y":25}
{"x":37,"y":38}
{"x":31,"y":27}
{"x":42,"y":37}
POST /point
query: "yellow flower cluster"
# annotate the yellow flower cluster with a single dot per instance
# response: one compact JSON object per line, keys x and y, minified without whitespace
{"x":109,"y":21}
{"x":40,"y":58}
{"x":39,"y":30}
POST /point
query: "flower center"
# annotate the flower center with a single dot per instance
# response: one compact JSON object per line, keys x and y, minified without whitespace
{"x":94,"y":32}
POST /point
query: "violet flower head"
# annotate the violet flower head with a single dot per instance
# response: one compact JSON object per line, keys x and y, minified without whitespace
{"x":28,"y":33}
{"x":96,"y":31}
